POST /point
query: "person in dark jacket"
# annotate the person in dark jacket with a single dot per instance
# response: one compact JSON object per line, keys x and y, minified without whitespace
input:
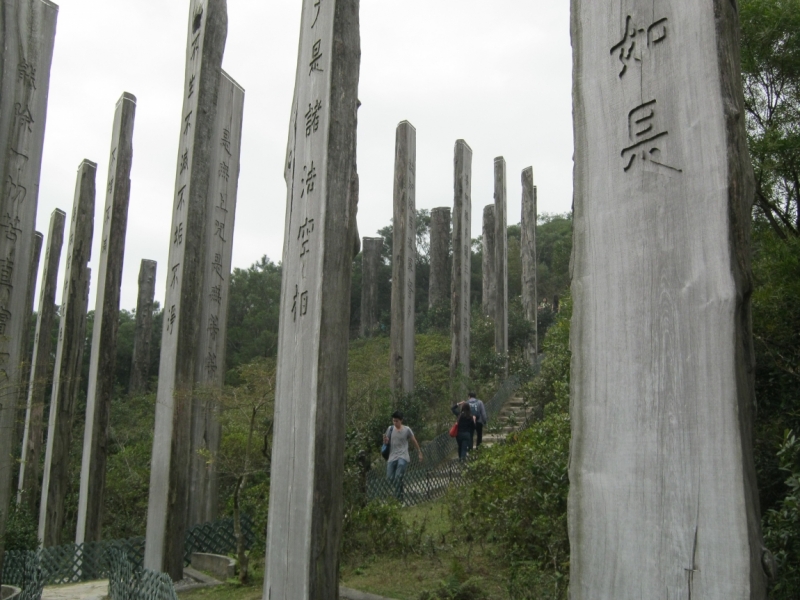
{"x":466,"y":427}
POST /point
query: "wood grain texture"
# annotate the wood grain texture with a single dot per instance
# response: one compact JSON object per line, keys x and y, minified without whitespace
{"x":305,"y":512}
{"x":210,"y":351}
{"x":102,"y":362}
{"x":69,"y":358}
{"x":489,"y":295}
{"x":143,"y":329}
{"x":439,"y":281}
{"x":461,"y":299}
{"x":663,"y":500}
{"x":370,"y":263}
{"x":27,"y":36}
{"x":29,"y":472}
{"x":501,"y":258}
{"x":530,"y":301}
{"x":169,"y":475}
{"x":404,"y":259}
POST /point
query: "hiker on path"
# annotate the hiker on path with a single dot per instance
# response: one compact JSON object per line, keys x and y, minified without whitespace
{"x":478,"y":410}
{"x":466,"y":427}
{"x":398,"y":436}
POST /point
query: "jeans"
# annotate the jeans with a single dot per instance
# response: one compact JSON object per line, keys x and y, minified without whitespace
{"x":479,"y":430}
{"x":464,"y":440}
{"x":395,"y":470}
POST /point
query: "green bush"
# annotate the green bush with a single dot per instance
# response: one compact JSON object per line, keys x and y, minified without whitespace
{"x":377,"y":528}
{"x":21,"y":530}
{"x":782,"y":524}
{"x":453,"y":589}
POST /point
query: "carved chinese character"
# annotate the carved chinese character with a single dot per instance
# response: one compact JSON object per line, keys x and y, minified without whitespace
{"x":191,"y":86}
{"x":223,"y":201}
{"x":113,"y":157}
{"x":188,"y":123}
{"x":302,"y":308}
{"x":177,"y":238}
{"x":643,"y":134}
{"x":181,"y":199}
{"x":195,"y":46}
{"x":216,"y":294}
{"x":108,"y":213}
{"x":316,"y":16}
{"x":219,"y":227}
{"x":217,"y":265}
{"x":184,"y":161}
{"x":211,"y":364}
{"x":16,"y":191}
{"x":24,"y":116}
{"x":304,"y":235}
{"x":312,"y":118}
{"x":7,"y":273}
{"x":110,"y":185}
{"x":174,"y":276}
{"x":11,"y":225}
{"x":5,"y":318}
{"x":22,"y":160}
{"x":224,"y":170}
{"x":316,"y":56}
{"x":225,"y":142}
{"x":410,"y":263}
{"x":213,"y":327}
{"x":26,"y":73}
{"x":170,"y":320}
{"x":105,"y":244}
{"x":627,"y":50}
{"x":309,"y":175}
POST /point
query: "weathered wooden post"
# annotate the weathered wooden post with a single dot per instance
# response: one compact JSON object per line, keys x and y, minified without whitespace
{"x":169,"y":475}
{"x":102,"y":361}
{"x":530,"y":302}
{"x":489,"y":278}
{"x":663,"y":500}
{"x":140,"y":362}
{"x":370,"y":263}
{"x":404,"y":258}
{"x":69,"y":357}
{"x":501,"y":259}
{"x":462,"y":263}
{"x":28,"y":486}
{"x":27,"y":31}
{"x":25,"y":374}
{"x":305,"y":504}
{"x":439,"y":282}
{"x":210,"y":351}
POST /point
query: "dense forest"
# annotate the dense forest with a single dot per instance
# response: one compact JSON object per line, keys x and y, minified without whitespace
{"x":517,"y":491}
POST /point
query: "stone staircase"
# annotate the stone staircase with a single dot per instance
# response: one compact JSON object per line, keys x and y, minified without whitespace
{"x":513,"y":414}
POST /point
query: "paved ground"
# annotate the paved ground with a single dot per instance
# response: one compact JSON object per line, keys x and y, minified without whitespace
{"x":94,"y":590}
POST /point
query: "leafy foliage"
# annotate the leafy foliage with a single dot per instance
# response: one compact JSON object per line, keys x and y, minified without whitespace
{"x":771,"y":74}
{"x":518,"y":490}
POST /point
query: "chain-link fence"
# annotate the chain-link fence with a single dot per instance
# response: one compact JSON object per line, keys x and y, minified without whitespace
{"x":74,"y":563}
{"x":127,"y":581}
{"x":427,"y":480}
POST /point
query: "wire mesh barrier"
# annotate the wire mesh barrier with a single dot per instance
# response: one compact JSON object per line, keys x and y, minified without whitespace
{"x":27,"y":575}
{"x":217,"y":537}
{"x":127,"y":581}
{"x":74,"y":563}
{"x":428,"y":480}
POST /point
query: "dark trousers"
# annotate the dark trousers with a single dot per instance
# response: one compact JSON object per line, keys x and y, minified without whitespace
{"x":479,"y":431}
{"x":464,"y":439}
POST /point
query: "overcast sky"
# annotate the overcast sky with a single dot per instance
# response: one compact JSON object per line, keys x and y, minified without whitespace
{"x":497,"y":74}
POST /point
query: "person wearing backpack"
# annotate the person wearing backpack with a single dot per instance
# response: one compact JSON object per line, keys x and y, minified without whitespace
{"x":397,"y":437}
{"x":478,"y":410}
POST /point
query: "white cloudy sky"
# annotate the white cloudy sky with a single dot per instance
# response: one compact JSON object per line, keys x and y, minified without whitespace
{"x":497,"y":74}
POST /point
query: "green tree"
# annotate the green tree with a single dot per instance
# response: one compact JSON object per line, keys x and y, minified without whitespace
{"x":253,"y":312}
{"x":771,"y":76}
